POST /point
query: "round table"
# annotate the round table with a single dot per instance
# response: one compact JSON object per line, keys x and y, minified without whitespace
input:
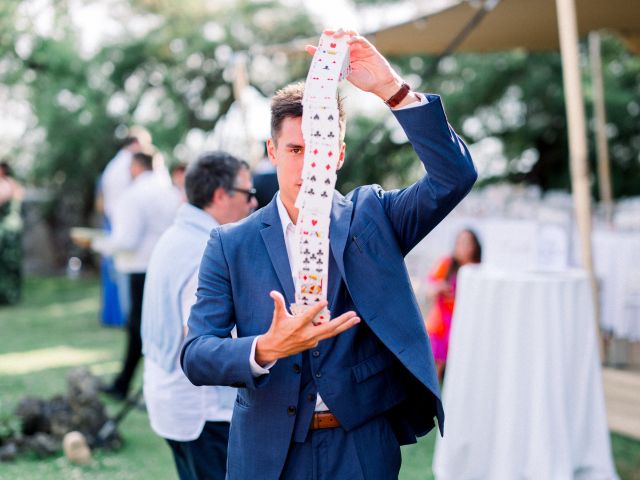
{"x":523,"y":392}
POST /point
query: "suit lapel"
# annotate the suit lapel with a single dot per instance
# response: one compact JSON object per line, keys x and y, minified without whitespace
{"x":276,"y":248}
{"x":339,"y":228}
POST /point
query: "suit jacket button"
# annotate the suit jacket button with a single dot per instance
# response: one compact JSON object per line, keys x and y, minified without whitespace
{"x":291,"y":410}
{"x":296,"y":368}
{"x":318,"y":374}
{"x":315,"y":353}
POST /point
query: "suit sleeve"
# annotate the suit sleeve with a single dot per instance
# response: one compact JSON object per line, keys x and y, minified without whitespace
{"x":209,"y":355}
{"x":450,"y":174}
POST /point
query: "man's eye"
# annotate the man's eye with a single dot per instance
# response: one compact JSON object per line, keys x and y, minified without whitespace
{"x":296,"y":150}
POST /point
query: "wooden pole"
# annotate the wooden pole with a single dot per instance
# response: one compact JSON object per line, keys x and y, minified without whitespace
{"x":604,"y":170}
{"x":576,"y":126}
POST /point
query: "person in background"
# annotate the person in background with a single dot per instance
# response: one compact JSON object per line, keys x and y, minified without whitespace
{"x":193,"y":420}
{"x":144,"y":211}
{"x":178,"y":172}
{"x":114,"y":180}
{"x":442,"y":291}
{"x":11,"y":195}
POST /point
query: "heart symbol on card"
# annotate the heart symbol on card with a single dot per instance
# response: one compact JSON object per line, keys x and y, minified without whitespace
{"x":305,"y":233}
{"x":333,"y":45}
{"x":313,"y":164}
{"x":314,"y":222}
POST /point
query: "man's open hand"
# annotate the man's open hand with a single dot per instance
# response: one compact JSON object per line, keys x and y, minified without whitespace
{"x":291,"y":334}
{"x":370,"y":71}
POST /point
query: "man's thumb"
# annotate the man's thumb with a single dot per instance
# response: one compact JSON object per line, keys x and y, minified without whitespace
{"x":279,"y":308}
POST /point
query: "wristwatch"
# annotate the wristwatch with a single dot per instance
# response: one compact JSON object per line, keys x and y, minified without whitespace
{"x":395,"y":100}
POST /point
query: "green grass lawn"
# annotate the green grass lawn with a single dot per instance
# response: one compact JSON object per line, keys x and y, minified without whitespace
{"x":57,"y":312}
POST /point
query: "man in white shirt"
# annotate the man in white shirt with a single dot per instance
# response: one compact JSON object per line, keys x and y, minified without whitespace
{"x":144,"y":211}
{"x":193,"y":420}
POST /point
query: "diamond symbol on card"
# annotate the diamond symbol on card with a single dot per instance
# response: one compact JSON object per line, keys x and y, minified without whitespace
{"x":313,"y":164}
{"x":328,"y":167}
{"x":330,"y":154}
{"x":315,"y":151}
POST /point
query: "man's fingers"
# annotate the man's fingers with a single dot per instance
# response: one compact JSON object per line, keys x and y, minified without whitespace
{"x":310,"y":314}
{"x":279,"y":308}
{"x":310,"y":49}
{"x":337,"y":325}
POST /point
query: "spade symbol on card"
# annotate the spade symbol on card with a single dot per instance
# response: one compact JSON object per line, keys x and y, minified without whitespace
{"x":312,"y":178}
{"x":330,"y":117}
{"x":327,"y":181}
{"x":316,"y":117}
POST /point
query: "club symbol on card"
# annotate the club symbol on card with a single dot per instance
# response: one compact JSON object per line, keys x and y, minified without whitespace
{"x":312,"y":178}
{"x":324,"y":194}
{"x":311,"y":191}
{"x":326,"y":67}
{"x":320,"y":252}
{"x":306,"y":252}
{"x":305,"y":241}
{"x":327,"y":181}
{"x":313,"y":256}
{"x":331,"y":135}
{"x":317,"y":134}
{"x":306,"y":269}
{"x":306,"y":261}
{"x":319,"y":262}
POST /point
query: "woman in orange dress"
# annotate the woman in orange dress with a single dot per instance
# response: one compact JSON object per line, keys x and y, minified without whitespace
{"x":442,"y":292}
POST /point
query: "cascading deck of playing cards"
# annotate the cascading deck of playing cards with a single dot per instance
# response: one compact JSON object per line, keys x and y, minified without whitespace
{"x":321,"y":131}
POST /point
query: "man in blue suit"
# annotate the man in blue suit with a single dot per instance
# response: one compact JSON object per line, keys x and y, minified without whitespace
{"x":333,"y":401}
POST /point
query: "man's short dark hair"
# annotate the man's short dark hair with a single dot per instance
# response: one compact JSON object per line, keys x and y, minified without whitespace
{"x":287,"y":102}
{"x":210,"y":172}
{"x":143,"y":159}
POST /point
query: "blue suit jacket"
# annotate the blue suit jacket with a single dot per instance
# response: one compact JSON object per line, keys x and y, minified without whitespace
{"x":371,"y":231}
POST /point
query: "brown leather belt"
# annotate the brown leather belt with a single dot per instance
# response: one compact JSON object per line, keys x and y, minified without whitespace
{"x":324,"y":420}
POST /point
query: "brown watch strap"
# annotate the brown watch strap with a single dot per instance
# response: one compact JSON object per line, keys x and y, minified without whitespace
{"x":399,"y":95}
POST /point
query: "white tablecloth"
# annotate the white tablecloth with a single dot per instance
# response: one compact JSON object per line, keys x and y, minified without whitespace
{"x":617,"y":264}
{"x":523,"y":392}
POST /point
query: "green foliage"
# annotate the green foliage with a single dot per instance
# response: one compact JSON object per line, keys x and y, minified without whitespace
{"x":517,"y":98}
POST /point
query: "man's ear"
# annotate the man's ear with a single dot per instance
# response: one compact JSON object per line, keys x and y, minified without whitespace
{"x":343,"y":148}
{"x":219,"y":195}
{"x":271,"y":151}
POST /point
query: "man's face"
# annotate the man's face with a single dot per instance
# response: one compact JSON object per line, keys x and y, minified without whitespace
{"x":287,"y":155}
{"x":237,"y":207}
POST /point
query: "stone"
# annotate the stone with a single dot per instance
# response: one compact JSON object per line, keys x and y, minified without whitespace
{"x":76,"y":449}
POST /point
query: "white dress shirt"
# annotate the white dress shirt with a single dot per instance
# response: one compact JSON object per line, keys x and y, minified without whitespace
{"x":144,"y":211}
{"x":177,"y":409}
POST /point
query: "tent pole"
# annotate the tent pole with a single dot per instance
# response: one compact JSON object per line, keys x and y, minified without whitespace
{"x":576,"y":125}
{"x":604,"y":169}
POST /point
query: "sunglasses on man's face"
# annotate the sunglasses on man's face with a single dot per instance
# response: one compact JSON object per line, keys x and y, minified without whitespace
{"x":250,"y":193}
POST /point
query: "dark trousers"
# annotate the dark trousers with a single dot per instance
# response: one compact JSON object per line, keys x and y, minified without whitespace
{"x":204,"y":458}
{"x":133,"y":353}
{"x":369,"y":452}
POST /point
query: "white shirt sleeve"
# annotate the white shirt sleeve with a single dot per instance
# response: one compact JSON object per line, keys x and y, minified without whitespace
{"x":423,"y":101}
{"x":128,"y":224}
{"x":256,"y":369}
{"x":188,"y":297}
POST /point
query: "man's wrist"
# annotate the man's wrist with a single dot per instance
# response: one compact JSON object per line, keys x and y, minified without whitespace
{"x":388,"y":89}
{"x":265,"y":353}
